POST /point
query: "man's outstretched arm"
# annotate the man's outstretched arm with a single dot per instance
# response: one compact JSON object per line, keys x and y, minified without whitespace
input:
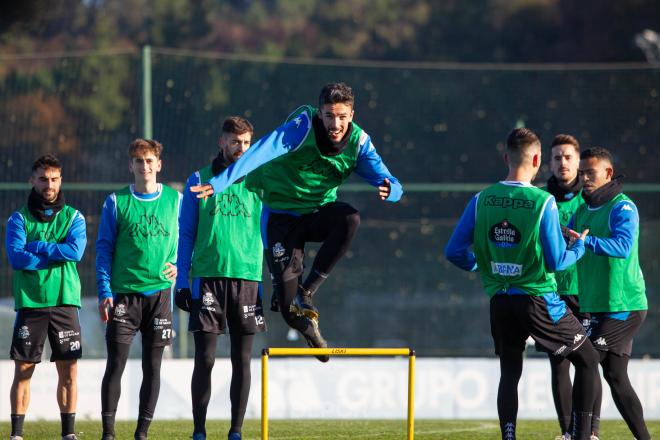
{"x":282,"y":140}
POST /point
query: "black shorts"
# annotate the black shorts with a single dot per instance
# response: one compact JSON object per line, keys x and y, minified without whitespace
{"x":608,"y":333}
{"x":513,"y":318}
{"x":227,"y":303}
{"x":286,"y":235}
{"x":573,"y":303}
{"x":60,"y":323}
{"x":151,"y":314}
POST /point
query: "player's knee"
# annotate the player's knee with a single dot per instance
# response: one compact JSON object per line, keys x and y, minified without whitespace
{"x":585,"y":357}
{"x":294,"y":269}
{"x":205,"y":360}
{"x":24,"y":370}
{"x":66,"y":380}
{"x":241,"y":360}
{"x":352,"y":221}
{"x":614,"y":377}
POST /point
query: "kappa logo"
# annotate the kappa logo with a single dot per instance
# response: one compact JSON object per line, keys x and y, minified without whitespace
{"x":120,"y":310}
{"x":229,"y":205}
{"x":322,"y":167}
{"x":24,"y":332}
{"x":601,"y":341}
{"x":298,"y":121}
{"x":207,"y":298}
{"x":626,"y":207}
{"x":577,"y":338}
{"x":278,"y":250}
{"x":508,"y":202}
{"x":148,"y":226}
{"x":48,"y":236}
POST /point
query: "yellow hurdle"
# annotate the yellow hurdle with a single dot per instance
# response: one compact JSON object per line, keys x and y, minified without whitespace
{"x":267,"y":352}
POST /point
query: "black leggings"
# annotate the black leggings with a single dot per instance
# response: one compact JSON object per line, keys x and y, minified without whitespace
{"x":334,"y":224}
{"x":562,"y":394}
{"x":585,"y":360}
{"x":114,"y":368}
{"x":615,"y":371}
{"x":200,"y":386}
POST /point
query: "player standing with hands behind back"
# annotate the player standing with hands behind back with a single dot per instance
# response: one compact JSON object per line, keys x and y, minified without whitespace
{"x":135,"y":269}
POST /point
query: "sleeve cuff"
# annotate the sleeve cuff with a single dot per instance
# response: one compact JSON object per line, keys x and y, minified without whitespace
{"x":396,"y":191}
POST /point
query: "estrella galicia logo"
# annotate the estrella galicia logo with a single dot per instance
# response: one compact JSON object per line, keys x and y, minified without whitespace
{"x":278,"y":250}
{"x":148,"y":226}
{"x":229,"y":205}
{"x":504,"y":234}
{"x":23,"y":332}
{"x":508,"y":202}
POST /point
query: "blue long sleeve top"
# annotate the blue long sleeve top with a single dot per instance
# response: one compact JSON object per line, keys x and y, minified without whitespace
{"x":288,"y":138}
{"x":106,"y":239}
{"x":624,"y":221}
{"x":557,"y":256}
{"x":36,"y":255}
{"x":188,"y":220}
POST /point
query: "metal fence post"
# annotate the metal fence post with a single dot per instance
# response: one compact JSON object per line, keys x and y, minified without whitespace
{"x":147,"y":117}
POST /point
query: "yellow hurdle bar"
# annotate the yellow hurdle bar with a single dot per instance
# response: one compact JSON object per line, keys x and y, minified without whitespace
{"x":338,"y":352}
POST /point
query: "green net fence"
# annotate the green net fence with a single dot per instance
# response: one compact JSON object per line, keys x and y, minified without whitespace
{"x":439,"y":128}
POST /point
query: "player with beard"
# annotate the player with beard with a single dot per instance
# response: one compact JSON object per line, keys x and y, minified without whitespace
{"x":612,"y":287}
{"x":515,"y":231}
{"x":565,"y":186}
{"x":45,"y":239}
{"x":220,"y":246}
{"x":135,"y":270}
{"x":296,"y":170}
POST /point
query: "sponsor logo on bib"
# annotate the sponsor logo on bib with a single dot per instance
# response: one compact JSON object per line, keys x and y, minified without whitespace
{"x":506,"y":269}
{"x":504,"y":234}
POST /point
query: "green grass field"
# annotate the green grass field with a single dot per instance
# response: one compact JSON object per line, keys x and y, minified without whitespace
{"x":330,"y":429}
